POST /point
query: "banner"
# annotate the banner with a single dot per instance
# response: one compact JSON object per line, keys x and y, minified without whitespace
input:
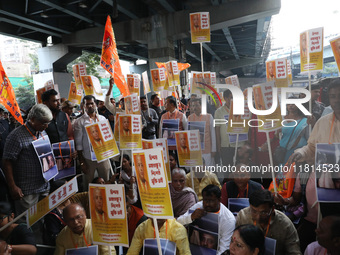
{"x":66,"y":165}
{"x":189,"y":148}
{"x":130,"y":131}
{"x":91,"y":250}
{"x":108,"y":214}
{"x":152,"y":183}
{"x":263,"y":95}
{"x":76,"y":93}
{"x":102,"y":140}
{"x":200,"y":27}
{"x":7,"y":96}
{"x":146,"y":84}
{"x":238,"y":124}
{"x":116,"y":131}
{"x":289,"y":72}
{"x":91,"y":85}
{"x":44,"y":206}
{"x":150,"y":247}
{"x":43,"y":148}
{"x":133,"y":81}
{"x":335,"y":44}
{"x":311,"y":50}
{"x":200,"y":126}
{"x":110,"y":60}
{"x":276,"y":70}
{"x":159,"y":143}
{"x":327,"y":169}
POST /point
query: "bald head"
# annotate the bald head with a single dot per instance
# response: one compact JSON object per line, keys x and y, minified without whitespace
{"x":75,"y":218}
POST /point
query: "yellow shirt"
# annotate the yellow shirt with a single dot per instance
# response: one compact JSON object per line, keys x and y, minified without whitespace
{"x":67,"y":240}
{"x":174,"y":232}
{"x":208,"y":178}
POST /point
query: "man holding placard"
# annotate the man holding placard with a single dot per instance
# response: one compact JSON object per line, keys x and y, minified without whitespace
{"x":83,"y":145}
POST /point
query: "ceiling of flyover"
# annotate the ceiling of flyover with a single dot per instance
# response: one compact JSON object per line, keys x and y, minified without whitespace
{"x":240,"y":36}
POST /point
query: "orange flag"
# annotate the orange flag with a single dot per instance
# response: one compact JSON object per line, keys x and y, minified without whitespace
{"x":181,"y":66}
{"x":110,"y":59}
{"x":7,"y":96}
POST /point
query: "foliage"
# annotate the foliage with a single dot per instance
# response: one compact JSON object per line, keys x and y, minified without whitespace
{"x":34,"y":62}
{"x":25,"y":94}
{"x":92,"y":62}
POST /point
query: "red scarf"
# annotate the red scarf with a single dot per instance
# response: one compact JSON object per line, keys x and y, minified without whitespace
{"x":136,"y":215}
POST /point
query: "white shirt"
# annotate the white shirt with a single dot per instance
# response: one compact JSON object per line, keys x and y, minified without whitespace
{"x":80,"y":136}
{"x":226,"y":225}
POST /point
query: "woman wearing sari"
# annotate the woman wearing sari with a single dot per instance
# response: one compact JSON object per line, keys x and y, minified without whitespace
{"x":182,"y":197}
{"x":294,"y":134}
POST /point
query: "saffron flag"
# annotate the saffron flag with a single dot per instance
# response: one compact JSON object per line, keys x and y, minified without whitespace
{"x":7,"y":96}
{"x":110,"y":59}
{"x":181,"y":66}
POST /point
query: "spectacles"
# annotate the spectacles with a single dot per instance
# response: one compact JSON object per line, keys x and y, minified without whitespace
{"x":2,"y":218}
{"x":262,"y":214}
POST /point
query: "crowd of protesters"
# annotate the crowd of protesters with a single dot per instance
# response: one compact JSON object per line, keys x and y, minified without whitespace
{"x":193,"y":193}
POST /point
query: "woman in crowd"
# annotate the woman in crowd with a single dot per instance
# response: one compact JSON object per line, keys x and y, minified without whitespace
{"x":173,"y":161}
{"x":247,"y":240}
{"x":129,"y":181}
{"x":182,"y":197}
{"x":294,"y":134}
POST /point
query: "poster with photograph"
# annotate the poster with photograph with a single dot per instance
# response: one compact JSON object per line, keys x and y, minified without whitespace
{"x":159,"y":143}
{"x":116,"y":128}
{"x":168,"y":129}
{"x":203,"y":233}
{"x":146,"y":83}
{"x":233,"y":80}
{"x":188,"y":146}
{"x":66,"y":165}
{"x":276,"y":70}
{"x":269,"y":246}
{"x":158,"y":79}
{"x":335,"y":44}
{"x":200,"y":126}
{"x":173,"y":73}
{"x":197,"y":86}
{"x":311,"y":50}
{"x":327,"y":167}
{"x":108,"y":214}
{"x":76,"y":93}
{"x":90,"y":250}
{"x":91,"y":85}
{"x":152,"y":183}
{"x":43,"y":148}
{"x":133,"y":82}
{"x":78,"y":71}
{"x":263,"y":96}
{"x":150,"y":247}
{"x":131,"y":104}
{"x":47,"y":204}
{"x":101,"y":138}
{"x":130,"y":132}
{"x":200,"y":27}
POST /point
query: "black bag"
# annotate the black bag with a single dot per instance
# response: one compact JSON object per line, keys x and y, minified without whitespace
{"x":280,"y":152}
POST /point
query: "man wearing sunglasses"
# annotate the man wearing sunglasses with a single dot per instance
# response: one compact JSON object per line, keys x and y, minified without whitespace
{"x":273,"y":223}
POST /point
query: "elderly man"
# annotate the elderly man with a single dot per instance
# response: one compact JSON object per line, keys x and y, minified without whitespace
{"x":78,"y":232}
{"x":212,"y":204}
{"x":82,"y":142}
{"x":272,"y":222}
{"x":21,"y":164}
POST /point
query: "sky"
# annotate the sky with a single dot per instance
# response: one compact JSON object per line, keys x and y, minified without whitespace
{"x":297,"y":16}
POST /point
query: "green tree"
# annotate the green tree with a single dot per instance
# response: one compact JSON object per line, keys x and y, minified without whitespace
{"x":92,"y":62}
{"x":34,"y":62}
{"x":25,"y":94}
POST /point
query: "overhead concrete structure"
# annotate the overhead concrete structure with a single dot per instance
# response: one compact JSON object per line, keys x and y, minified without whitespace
{"x":153,"y":30}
